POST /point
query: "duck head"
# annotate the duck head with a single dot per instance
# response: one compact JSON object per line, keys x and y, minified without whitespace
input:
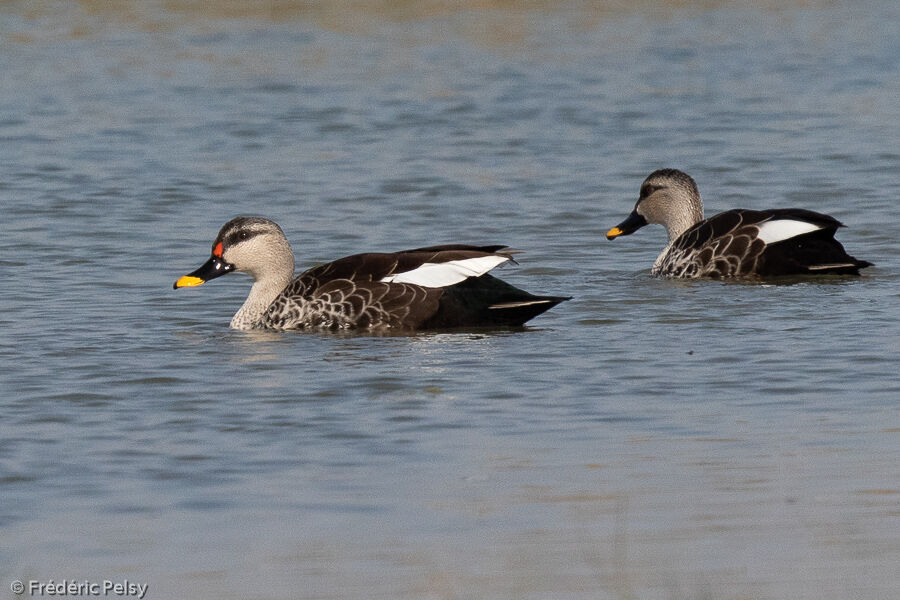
{"x":253,"y":245}
{"x":670,"y":198}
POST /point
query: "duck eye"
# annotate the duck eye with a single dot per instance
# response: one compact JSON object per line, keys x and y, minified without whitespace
{"x":649,"y":189}
{"x":243,"y":235}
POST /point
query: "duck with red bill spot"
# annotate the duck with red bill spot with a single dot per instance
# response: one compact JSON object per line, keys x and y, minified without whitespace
{"x":437,"y":287}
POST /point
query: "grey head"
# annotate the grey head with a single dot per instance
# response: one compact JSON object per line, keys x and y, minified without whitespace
{"x":257,"y":247}
{"x":254,"y":245}
{"x":670,"y":198}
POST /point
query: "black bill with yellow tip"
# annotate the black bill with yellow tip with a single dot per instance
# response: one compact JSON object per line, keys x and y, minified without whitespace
{"x":214,"y":267}
{"x":629,"y":225}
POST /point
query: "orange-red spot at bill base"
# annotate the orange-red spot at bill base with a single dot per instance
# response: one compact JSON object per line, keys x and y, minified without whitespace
{"x":217,"y":251}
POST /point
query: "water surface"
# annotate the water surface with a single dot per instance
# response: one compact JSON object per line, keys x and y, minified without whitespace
{"x":648,"y":439}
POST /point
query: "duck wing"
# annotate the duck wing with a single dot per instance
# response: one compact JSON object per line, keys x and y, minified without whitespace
{"x":725,"y":245}
{"x":434,"y":266}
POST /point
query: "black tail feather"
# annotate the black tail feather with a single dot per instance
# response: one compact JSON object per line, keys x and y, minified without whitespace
{"x":815,"y":253}
{"x":488,"y":302}
{"x":519,"y":313}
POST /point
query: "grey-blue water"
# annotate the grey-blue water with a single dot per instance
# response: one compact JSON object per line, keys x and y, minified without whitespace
{"x":648,"y":439}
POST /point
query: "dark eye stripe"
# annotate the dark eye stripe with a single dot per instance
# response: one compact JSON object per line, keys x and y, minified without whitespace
{"x":239,"y":236}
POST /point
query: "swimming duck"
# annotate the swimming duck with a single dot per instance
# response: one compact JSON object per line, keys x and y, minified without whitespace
{"x":426,"y":288}
{"x":735,"y":243}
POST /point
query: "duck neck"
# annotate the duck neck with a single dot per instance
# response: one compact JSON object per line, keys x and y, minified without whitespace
{"x":676,"y":226}
{"x":262,"y":294}
{"x":679,"y":221}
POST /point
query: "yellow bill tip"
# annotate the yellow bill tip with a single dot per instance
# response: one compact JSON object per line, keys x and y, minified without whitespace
{"x":188,"y":281}
{"x":612,"y":233}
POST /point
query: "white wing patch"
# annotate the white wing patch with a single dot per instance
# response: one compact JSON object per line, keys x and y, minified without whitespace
{"x":782,"y":229}
{"x":447,"y":273}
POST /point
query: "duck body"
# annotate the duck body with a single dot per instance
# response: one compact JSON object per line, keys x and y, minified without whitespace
{"x":367,"y":291}
{"x":743,"y":243}
{"x":735,"y":243}
{"x":436,"y":287}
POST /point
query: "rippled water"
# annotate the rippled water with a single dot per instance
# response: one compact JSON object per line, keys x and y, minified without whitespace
{"x":648,"y":439}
